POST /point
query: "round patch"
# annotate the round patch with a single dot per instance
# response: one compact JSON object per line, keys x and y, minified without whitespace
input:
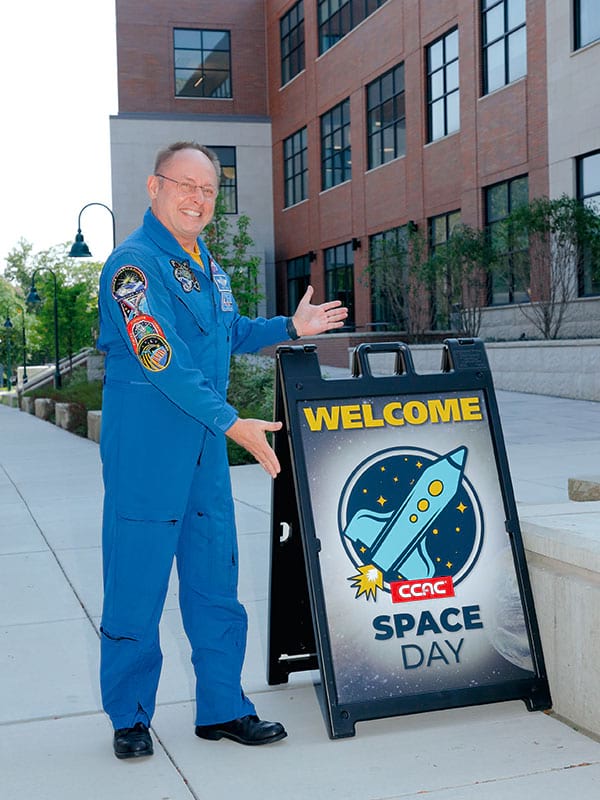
{"x":128,"y":280}
{"x":154,"y":352}
{"x":141,"y":326}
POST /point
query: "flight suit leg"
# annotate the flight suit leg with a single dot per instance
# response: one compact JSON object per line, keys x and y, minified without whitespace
{"x":207,"y":560}
{"x":138,"y":555}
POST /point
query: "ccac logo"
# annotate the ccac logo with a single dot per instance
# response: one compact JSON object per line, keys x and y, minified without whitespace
{"x":411,"y":523}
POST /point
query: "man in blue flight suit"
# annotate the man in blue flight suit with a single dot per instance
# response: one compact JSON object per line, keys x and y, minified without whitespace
{"x":168,"y":326}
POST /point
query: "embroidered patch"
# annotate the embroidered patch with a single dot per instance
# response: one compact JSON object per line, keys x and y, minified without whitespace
{"x":141,"y":326}
{"x":133,"y":306}
{"x":185,"y":276}
{"x":128,"y":281}
{"x":226,"y":301}
{"x":154,"y":352}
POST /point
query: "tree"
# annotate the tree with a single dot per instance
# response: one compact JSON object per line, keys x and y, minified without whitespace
{"x":562,"y":235}
{"x":231,"y":251}
{"x":395,"y":274}
{"x":77,"y":295}
{"x":458,"y":273}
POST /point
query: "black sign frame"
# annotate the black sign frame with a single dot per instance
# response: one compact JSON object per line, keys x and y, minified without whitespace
{"x":299,"y":633}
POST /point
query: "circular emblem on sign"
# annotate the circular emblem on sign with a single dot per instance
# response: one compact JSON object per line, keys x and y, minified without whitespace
{"x":408,"y":513}
{"x":154,"y":352}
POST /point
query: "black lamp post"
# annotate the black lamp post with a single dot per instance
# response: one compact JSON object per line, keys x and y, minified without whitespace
{"x":79,"y":248}
{"x":8,"y":325}
{"x":33,"y":299}
{"x":24,"y":343}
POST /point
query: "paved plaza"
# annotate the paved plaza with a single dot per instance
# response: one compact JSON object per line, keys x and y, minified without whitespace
{"x":56,"y":743}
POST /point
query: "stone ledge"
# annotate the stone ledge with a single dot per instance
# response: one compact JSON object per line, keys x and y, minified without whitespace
{"x":94,"y":424}
{"x":563,"y":555}
{"x":68,"y":416}
{"x":584,"y":489}
{"x":44,"y":408}
{"x":28,"y":404}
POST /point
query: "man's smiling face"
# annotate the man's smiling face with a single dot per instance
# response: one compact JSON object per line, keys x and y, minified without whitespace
{"x":184,"y":215}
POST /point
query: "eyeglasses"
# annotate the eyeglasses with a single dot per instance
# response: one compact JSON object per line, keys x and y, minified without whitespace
{"x":187,"y":188}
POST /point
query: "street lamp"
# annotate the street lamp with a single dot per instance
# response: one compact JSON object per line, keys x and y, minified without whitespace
{"x":8,"y":325}
{"x":33,"y":299}
{"x":24,"y":342}
{"x":79,"y":248}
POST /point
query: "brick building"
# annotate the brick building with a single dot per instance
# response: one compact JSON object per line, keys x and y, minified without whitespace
{"x":343,"y":123}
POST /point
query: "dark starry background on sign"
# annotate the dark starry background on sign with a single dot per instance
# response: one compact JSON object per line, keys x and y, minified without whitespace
{"x":384,"y":485}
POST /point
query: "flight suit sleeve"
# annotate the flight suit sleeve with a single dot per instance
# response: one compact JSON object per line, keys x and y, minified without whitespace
{"x":250,"y":335}
{"x":140,"y":307}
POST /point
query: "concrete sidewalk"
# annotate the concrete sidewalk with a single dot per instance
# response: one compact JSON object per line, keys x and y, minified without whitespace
{"x":56,"y":744}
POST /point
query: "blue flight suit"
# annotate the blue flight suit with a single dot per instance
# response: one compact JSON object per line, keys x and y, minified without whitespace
{"x":168,"y":329}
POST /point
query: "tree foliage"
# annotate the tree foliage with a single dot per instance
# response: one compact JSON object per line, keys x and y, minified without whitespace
{"x":395,"y":274}
{"x":76,"y":293}
{"x":458,"y":273}
{"x":563,"y":238}
{"x":231,"y":249}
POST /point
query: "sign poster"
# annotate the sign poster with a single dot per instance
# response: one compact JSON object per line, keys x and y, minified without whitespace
{"x":419,"y":584}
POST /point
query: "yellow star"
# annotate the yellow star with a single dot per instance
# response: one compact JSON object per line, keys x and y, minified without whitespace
{"x":381,"y":500}
{"x":365,"y":491}
{"x":461,"y":507}
{"x":435,"y":531}
{"x":383,"y":469}
{"x":449,"y":564}
{"x":419,"y":464}
{"x":457,"y":530}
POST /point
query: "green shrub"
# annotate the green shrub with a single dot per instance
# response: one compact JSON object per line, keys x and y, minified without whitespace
{"x":251,"y":392}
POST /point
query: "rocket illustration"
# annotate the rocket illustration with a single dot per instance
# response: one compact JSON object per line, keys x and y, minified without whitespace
{"x":394,"y":542}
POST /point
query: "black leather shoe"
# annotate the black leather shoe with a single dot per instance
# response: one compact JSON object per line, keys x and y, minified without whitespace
{"x":246,"y":730}
{"x":133,"y":742}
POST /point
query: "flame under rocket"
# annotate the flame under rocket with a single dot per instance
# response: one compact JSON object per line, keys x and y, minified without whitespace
{"x":391,"y":538}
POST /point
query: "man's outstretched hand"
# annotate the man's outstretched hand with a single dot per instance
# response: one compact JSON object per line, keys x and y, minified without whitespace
{"x":251,"y":435}
{"x":309,"y":320}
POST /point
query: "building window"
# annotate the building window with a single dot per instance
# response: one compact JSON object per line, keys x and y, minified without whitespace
{"x":386,"y":120}
{"x":339,"y":17}
{"x":440,"y":230}
{"x":510,"y":278}
{"x":295,"y":168}
{"x":587,"y":22}
{"x":291,"y":30}
{"x":336,"y":155}
{"x":339,"y":277}
{"x":588,"y":191}
{"x":228,"y":187}
{"x":387,"y":278}
{"x":442,"y":86}
{"x":504,"y":42}
{"x":202,"y":63}
{"x":298,"y":280}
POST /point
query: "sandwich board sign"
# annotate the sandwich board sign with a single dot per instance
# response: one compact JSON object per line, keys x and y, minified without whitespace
{"x":397,"y":564}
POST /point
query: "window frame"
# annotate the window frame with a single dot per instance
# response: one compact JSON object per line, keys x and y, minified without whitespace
{"x":332,"y":160}
{"x":445,"y":65}
{"x":295,"y":149}
{"x":578,"y":43}
{"x":287,"y":48}
{"x":487,"y":7}
{"x":201,"y":67}
{"x":585,"y":283}
{"x":344,"y":15}
{"x":297,"y":283}
{"x":336,"y":273}
{"x":375,"y":117}
{"x":512,"y":252}
{"x":228,"y":188}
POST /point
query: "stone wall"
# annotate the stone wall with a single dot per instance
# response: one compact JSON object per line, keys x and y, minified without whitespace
{"x":561,"y":368}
